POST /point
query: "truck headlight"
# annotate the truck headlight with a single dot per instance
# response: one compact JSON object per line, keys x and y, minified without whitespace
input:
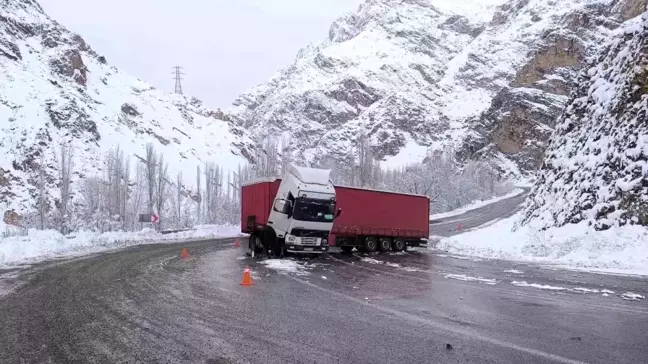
{"x":290,"y":238}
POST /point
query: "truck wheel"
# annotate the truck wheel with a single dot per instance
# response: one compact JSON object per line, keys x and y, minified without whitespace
{"x":370,"y":244}
{"x":384,"y":244}
{"x":346,"y":249}
{"x":277,"y":247}
{"x":398,"y":245}
{"x":253,"y":245}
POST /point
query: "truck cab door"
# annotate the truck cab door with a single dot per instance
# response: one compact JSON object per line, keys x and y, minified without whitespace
{"x":280,"y":216}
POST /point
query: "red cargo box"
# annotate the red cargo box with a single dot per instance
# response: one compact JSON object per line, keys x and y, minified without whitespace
{"x":380,"y":213}
{"x":257,"y":198}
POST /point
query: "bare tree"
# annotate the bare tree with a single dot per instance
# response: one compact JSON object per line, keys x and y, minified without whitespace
{"x":41,"y":187}
{"x":198,"y":194}
{"x":151,"y":164}
{"x":267,"y":158}
{"x":286,"y":154}
{"x":178,"y":200}
{"x":65,"y":178}
{"x":365,"y":162}
{"x":160,"y":187}
{"x":138,"y":193}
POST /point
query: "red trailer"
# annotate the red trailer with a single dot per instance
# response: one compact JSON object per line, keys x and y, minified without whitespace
{"x":380,"y":220}
{"x":371,"y":220}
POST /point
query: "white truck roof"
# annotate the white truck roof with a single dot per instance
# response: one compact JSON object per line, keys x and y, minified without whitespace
{"x":311,"y":175}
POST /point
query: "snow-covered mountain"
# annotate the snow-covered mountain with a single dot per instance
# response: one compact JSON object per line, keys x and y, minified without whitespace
{"x":54,"y":89}
{"x":596,"y":169}
{"x":487,"y":77}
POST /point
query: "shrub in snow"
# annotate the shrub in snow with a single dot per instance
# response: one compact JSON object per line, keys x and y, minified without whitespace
{"x":596,"y":168}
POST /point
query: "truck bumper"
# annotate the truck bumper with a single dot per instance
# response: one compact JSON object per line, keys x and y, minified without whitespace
{"x":306,"y":249}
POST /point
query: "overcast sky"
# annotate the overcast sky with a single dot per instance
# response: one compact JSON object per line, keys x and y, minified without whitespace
{"x":225,"y":46}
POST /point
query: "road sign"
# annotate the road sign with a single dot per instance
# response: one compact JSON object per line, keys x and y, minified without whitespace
{"x":145,"y":218}
{"x":152,"y":218}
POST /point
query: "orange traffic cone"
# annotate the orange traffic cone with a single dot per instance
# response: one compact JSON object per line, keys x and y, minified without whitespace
{"x":185,"y":254}
{"x":236,"y":243}
{"x":247,"y":278}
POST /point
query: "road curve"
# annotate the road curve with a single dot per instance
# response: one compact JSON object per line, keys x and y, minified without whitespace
{"x":148,"y":305}
{"x":454,"y":225}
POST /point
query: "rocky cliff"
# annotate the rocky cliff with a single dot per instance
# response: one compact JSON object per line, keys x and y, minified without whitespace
{"x":486,"y":77}
{"x":54,"y":90}
{"x":596,"y":168}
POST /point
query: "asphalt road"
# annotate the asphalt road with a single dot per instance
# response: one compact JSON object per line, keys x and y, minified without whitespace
{"x":456,"y":224}
{"x":148,"y":305}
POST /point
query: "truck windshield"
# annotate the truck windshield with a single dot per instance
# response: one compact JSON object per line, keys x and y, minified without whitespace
{"x":309,"y":209}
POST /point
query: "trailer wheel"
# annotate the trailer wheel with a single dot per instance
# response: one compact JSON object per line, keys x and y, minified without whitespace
{"x":384,"y":244}
{"x":346,"y":249}
{"x":370,"y":244}
{"x":398,"y":245}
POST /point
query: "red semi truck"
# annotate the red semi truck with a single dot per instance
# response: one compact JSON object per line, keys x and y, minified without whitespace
{"x":369,"y":220}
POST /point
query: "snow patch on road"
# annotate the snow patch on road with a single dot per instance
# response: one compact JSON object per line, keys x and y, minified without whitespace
{"x":539,"y":286}
{"x":41,"y":245}
{"x":585,"y":290}
{"x":632,"y":296}
{"x":371,"y":260}
{"x":578,"y":246}
{"x":463,"y":277}
{"x":393,"y":265}
{"x":286,"y":266}
{"x":475,"y":205}
{"x":514,"y":271}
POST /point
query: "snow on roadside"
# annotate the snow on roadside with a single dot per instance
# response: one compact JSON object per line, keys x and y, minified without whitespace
{"x":41,"y":245}
{"x":619,"y":249}
{"x":286,"y":266}
{"x":476,"y":205}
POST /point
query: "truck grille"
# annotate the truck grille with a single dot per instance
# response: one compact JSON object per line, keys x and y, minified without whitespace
{"x":308,"y":241}
{"x":309,"y":233}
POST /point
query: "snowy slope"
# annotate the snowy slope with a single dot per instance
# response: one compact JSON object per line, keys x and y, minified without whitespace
{"x":55,"y":89}
{"x":419,"y":74}
{"x":596,"y":169}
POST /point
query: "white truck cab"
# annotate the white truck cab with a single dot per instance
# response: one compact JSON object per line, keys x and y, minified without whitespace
{"x":304,"y":209}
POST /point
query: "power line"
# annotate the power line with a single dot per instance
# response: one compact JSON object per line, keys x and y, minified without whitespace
{"x":177,"y":72}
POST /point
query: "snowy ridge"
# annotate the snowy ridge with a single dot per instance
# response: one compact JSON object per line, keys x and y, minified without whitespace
{"x":415,"y":75}
{"x":596,"y":169}
{"x":54,"y":89}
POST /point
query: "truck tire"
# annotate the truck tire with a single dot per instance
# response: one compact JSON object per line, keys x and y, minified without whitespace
{"x":254,"y":245}
{"x":398,"y":245}
{"x":277,"y":247}
{"x":346,"y":249}
{"x":370,"y":244}
{"x":269,"y":240}
{"x":384,"y":244}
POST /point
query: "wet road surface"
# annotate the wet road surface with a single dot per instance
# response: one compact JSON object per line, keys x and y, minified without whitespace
{"x":148,"y":305}
{"x":453,"y":225}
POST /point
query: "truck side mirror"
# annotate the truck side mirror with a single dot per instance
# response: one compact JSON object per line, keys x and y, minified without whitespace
{"x":338,"y":213}
{"x":283,"y":206}
{"x":288,"y":208}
